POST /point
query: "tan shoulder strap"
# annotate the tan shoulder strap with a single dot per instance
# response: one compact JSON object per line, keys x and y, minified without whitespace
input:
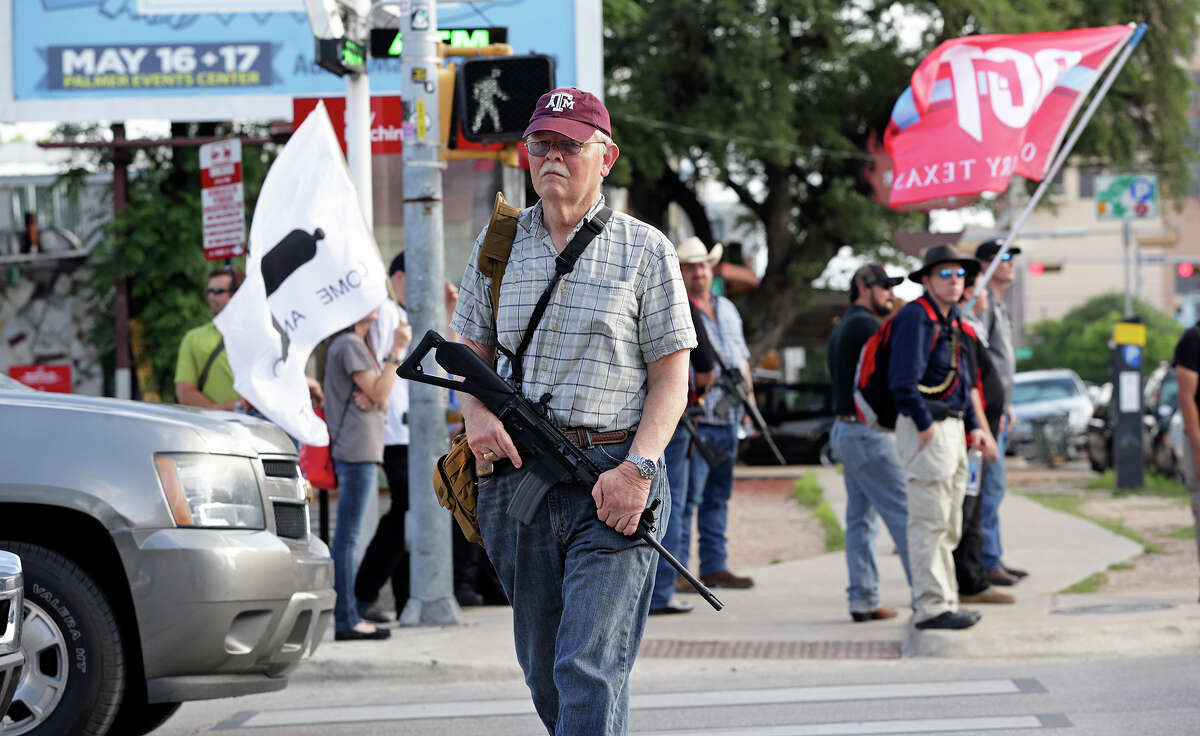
{"x":497,"y":246}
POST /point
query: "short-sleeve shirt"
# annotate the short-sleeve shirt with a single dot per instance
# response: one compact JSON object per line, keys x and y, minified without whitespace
{"x":1187,"y":354}
{"x":197,"y":345}
{"x":356,"y":435}
{"x":621,"y":308}
{"x":728,"y":342}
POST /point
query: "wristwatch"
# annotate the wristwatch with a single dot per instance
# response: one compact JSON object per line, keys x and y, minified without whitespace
{"x":645,"y":466}
{"x":391,"y":359}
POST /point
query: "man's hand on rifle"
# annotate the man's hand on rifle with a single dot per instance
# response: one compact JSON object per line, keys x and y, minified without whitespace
{"x":486,"y":436}
{"x":620,"y":496}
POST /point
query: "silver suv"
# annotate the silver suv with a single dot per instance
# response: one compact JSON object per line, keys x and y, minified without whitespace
{"x":166,"y":554}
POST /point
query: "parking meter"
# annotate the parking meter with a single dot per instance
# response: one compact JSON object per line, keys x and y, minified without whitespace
{"x":1129,"y":341}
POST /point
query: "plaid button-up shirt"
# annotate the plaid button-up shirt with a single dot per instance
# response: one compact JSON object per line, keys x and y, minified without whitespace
{"x":622,"y":307}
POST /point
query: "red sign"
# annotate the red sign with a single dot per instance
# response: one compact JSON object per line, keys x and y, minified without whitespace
{"x":983,"y":108}
{"x":221,"y":199}
{"x":51,"y":377}
{"x":387,"y":120}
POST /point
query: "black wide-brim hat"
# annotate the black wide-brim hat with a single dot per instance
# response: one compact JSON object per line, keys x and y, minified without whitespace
{"x":939,"y":254}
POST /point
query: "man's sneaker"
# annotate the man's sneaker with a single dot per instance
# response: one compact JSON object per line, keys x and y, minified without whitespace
{"x":988,"y":595}
{"x":950,"y":620}
{"x":726,"y":579}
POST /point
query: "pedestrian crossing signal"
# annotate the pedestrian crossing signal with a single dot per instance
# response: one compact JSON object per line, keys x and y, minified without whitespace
{"x":497,"y":95}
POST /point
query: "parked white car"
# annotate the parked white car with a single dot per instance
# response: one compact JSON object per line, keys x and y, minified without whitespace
{"x":1040,"y":395}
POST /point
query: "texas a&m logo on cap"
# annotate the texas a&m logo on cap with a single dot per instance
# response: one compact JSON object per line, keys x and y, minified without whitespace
{"x":560,"y":101}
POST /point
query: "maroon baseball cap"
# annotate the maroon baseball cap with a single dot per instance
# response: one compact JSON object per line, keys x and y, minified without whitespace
{"x":572,"y":112}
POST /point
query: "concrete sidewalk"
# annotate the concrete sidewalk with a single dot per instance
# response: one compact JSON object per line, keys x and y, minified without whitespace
{"x":798,"y":610}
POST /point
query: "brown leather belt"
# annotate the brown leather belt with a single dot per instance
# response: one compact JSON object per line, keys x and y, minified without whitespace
{"x":585,"y":438}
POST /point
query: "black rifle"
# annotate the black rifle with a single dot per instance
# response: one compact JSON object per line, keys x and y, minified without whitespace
{"x":548,"y":454}
{"x":712,"y":455}
{"x":733,"y":383}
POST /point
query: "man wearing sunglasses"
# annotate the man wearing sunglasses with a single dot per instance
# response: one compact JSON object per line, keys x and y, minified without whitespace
{"x":608,"y":359}
{"x":931,"y":383}
{"x":202,"y":374}
{"x":998,"y":334}
{"x":874,"y":479}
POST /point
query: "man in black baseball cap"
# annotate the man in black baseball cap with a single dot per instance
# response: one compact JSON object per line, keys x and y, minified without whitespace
{"x":874,"y":479}
{"x":998,"y":335}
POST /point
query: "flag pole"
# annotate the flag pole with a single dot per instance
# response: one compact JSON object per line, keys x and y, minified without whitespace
{"x":1059,"y":160}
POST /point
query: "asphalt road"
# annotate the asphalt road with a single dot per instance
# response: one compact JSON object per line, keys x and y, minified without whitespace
{"x":1101,"y":697}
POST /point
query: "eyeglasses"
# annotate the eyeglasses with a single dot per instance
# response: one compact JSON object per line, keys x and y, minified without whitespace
{"x":219,"y":292}
{"x":946,"y":273}
{"x":1006,"y":257}
{"x":565,"y":147}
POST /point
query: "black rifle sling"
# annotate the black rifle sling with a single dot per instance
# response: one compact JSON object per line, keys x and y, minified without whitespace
{"x":212,"y":358}
{"x":563,"y":265}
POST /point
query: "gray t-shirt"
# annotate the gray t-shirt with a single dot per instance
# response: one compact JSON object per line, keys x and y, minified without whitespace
{"x":355,"y":435}
{"x":997,"y":326}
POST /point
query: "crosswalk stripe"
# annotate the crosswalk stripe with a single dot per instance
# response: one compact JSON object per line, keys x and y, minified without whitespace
{"x":728,"y":698}
{"x":865,"y":728}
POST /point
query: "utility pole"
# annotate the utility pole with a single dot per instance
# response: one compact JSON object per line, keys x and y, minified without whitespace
{"x":358,"y":120}
{"x":431,"y":599}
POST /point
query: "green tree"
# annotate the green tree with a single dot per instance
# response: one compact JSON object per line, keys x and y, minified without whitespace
{"x":1080,"y":339}
{"x":156,"y":245}
{"x":777,"y":99}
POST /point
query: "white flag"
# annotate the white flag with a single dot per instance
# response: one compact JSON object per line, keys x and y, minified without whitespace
{"x":313,"y":268}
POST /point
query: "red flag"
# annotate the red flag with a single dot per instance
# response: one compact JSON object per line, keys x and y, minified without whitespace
{"x":983,"y":108}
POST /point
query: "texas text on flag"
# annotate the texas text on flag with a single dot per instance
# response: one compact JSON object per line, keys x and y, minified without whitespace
{"x":982,"y":108}
{"x":313,"y":268}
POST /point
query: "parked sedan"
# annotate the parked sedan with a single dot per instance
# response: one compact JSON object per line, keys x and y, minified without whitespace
{"x":166,"y":558}
{"x":1160,"y":401}
{"x":800,"y":417}
{"x":1039,"y":396}
{"x":1099,"y":432}
{"x":12,"y":598}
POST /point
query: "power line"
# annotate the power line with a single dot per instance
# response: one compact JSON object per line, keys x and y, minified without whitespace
{"x":722,"y":136}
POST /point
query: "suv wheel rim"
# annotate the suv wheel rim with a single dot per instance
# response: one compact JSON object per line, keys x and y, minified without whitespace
{"x":44,"y":677}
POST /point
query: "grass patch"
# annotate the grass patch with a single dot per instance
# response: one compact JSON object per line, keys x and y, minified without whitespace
{"x":1071,"y":504}
{"x":1152,"y":484}
{"x":1090,"y":584}
{"x":1186,"y":532}
{"x":1121,"y":566}
{"x":809,"y":493}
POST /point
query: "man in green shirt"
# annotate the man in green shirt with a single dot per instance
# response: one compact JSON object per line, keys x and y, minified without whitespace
{"x":202,"y":374}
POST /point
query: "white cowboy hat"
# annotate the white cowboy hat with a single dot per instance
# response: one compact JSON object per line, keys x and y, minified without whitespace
{"x":692,"y":250}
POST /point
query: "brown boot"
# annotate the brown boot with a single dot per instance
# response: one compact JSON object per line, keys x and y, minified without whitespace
{"x":988,"y":595}
{"x":726,"y":579}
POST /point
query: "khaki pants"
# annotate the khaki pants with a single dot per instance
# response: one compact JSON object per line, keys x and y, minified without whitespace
{"x":1187,"y":460}
{"x":936,"y":477}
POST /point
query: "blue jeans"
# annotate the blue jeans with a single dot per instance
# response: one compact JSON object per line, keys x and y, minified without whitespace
{"x":356,"y":482}
{"x":991,"y":492}
{"x":678,"y":470}
{"x":708,"y":491}
{"x":874,"y":488}
{"x":580,"y":592}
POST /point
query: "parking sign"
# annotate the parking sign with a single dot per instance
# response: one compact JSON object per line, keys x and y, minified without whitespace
{"x":1126,"y":196}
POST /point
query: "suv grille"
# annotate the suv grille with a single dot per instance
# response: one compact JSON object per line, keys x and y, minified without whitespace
{"x":281,"y":468}
{"x":4,"y":605}
{"x":291,"y":520}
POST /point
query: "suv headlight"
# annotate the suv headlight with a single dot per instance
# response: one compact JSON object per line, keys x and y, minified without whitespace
{"x":211,"y":490}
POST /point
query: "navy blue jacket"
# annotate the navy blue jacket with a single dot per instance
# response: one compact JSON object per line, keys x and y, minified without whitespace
{"x":913,"y":361}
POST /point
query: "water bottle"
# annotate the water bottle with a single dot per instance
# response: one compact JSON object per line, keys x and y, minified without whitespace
{"x":974,"y":470}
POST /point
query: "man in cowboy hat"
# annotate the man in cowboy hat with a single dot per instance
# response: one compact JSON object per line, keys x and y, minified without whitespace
{"x":608,"y":359}
{"x":874,"y":479}
{"x":931,"y":385}
{"x":707,"y":489}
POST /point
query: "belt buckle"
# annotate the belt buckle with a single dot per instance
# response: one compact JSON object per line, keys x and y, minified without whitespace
{"x":585,"y":437}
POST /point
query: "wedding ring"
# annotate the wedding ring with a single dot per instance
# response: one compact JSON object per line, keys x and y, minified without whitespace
{"x":489,"y":455}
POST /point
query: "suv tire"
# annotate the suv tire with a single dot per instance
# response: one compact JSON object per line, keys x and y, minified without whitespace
{"x":74,"y":661}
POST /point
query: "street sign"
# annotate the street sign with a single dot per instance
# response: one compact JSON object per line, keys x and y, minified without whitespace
{"x":497,"y":95}
{"x":387,"y":120}
{"x":222,"y":202}
{"x":1126,"y":196}
{"x":386,"y":42}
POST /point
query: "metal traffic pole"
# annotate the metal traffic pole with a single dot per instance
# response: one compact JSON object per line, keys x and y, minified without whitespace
{"x":431,"y":595}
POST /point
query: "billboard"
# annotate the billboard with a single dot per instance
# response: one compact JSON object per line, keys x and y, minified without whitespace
{"x":113,"y":60}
